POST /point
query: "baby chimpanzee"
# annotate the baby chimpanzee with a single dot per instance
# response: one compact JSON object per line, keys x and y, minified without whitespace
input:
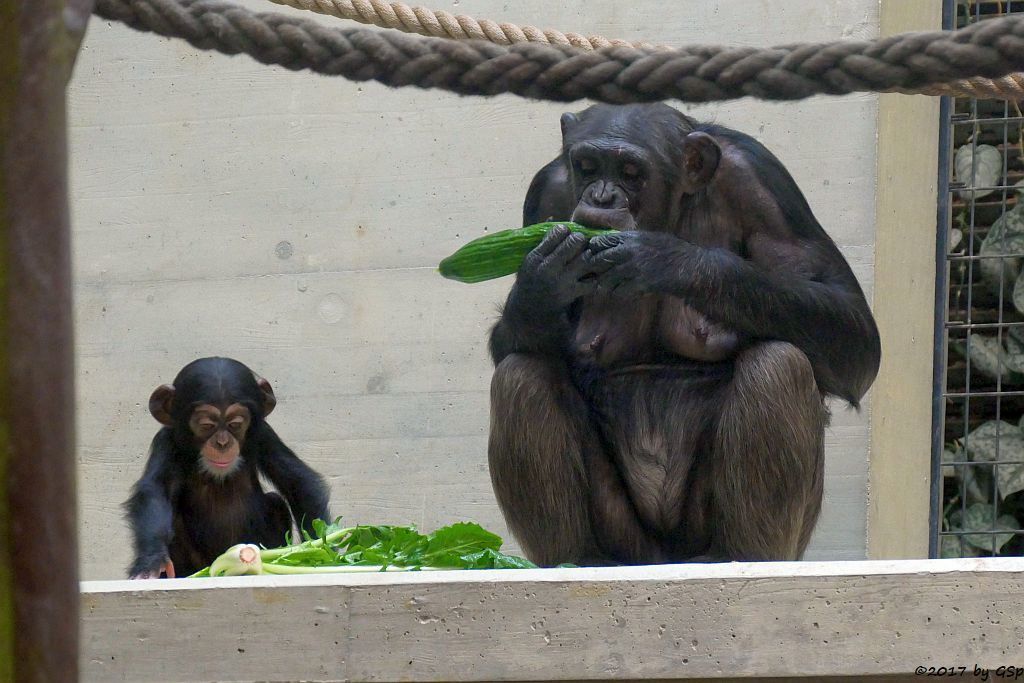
{"x":200,"y":492}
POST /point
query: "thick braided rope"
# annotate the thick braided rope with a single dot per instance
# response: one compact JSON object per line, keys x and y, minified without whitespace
{"x":440,"y":24}
{"x":903,"y":63}
{"x":1009,"y":87}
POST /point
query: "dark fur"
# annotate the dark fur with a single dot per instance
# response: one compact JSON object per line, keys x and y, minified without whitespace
{"x":178,"y":511}
{"x":610,"y":441}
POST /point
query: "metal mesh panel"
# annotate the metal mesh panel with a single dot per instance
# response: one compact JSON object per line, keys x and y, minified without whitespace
{"x":980,"y":450}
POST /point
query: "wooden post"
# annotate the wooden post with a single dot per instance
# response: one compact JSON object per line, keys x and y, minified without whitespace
{"x":904,"y":306}
{"x":38,"y":532}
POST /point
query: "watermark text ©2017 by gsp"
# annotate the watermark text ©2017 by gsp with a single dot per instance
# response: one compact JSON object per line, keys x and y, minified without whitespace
{"x":1012,"y":673}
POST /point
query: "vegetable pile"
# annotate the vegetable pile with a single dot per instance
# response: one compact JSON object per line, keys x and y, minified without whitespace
{"x":371,"y":548}
{"x":501,"y":254}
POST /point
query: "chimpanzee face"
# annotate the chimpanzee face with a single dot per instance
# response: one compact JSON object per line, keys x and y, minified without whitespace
{"x":210,"y":408}
{"x":624,"y":163}
{"x":219,"y":434}
{"x":609,"y":178}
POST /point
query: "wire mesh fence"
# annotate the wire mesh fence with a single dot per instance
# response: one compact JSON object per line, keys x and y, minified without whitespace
{"x":981,"y":451}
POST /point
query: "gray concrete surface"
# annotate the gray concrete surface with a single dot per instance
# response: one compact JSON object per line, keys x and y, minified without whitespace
{"x":294,"y":222}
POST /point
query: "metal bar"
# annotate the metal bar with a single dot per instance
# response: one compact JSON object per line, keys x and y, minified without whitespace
{"x":981,"y":394}
{"x":39,"y":599}
{"x":999,"y":338}
{"x":942,"y":221}
{"x":963,"y":187}
{"x":983,"y":532}
{"x":965,"y":120}
{"x":982,"y":257}
{"x":983,"y":326}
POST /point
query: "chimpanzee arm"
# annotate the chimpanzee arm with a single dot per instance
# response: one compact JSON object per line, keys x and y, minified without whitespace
{"x":306,"y":491}
{"x":550,"y":197}
{"x":535,"y":318}
{"x":825,"y":315}
{"x":150,"y":510}
{"x":532,"y":321}
{"x":521,"y":331}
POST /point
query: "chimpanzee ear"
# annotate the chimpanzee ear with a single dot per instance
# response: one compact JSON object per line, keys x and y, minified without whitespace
{"x":161,"y":402}
{"x":701,"y":155}
{"x":269,"y":400}
{"x":568,"y":121}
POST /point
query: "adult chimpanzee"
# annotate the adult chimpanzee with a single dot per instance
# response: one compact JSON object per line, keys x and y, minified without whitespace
{"x":200,"y":492}
{"x":659,"y":392}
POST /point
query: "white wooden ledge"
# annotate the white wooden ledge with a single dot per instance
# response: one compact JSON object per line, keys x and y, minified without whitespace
{"x":805,"y":620}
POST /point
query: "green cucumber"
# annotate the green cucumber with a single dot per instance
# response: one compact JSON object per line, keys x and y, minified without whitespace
{"x":501,"y":254}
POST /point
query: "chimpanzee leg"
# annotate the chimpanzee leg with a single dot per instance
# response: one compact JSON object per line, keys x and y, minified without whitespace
{"x":768,"y":456}
{"x":535,"y":455}
{"x":186,"y":556}
{"x":547,"y":465}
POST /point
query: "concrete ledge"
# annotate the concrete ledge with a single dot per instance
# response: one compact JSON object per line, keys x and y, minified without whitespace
{"x":742,"y":620}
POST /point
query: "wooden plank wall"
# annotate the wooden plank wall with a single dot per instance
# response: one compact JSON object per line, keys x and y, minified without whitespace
{"x":294,"y":222}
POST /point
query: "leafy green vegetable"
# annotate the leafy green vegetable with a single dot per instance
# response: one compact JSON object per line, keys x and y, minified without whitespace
{"x":372,"y":548}
{"x":492,"y":559}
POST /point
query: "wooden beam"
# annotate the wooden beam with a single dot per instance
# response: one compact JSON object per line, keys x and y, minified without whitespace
{"x":899,"y":495}
{"x":38,"y":534}
{"x":675,"y":622}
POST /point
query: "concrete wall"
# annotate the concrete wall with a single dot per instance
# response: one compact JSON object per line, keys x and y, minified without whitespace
{"x":294,"y":222}
{"x":764,"y":622}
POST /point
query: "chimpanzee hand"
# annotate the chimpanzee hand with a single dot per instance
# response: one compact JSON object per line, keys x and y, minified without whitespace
{"x":166,"y":567}
{"x":556,"y":273}
{"x":636,"y":262}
